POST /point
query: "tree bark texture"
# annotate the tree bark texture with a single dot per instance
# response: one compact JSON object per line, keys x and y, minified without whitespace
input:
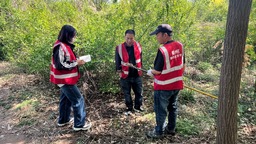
{"x":234,"y":46}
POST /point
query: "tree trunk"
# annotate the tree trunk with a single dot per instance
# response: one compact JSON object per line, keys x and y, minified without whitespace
{"x":234,"y":46}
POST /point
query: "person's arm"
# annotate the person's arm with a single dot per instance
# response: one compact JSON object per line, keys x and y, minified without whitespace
{"x":158,"y":64}
{"x":60,"y":61}
{"x":118,"y":61}
{"x":155,"y":72}
{"x":56,"y":57}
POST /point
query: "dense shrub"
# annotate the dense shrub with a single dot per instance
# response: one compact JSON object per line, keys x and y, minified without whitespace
{"x":30,"y":28}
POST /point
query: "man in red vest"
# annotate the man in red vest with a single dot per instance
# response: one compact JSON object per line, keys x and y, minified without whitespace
{"x":167,"y":73}
{"x":127,"y":53}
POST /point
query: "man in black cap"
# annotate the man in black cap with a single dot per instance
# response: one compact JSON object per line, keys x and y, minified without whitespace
{"x":167,"y":73}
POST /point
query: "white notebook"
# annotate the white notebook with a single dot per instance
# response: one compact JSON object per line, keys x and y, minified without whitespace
{"x":85,"y":58}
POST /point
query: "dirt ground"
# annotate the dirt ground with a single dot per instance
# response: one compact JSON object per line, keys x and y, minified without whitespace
{"x":29,"y":112}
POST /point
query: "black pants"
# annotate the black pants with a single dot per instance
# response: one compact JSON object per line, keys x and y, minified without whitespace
{"x":134,"y":83}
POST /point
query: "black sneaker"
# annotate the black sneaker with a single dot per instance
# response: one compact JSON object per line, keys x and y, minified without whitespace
{"x":154,"y":135}
{"x":140,"y":109}
{"x":128,"y":111}
{"x":169,"y":132}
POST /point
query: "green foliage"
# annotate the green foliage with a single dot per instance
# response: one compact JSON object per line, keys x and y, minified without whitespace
{"x":26,"y":122}
{"x":251,"y":38}
{"x":208,"y":30}
{"x":30,"y":27}
{"x":203,"y":66}
{"x":187,"y":127}
{"x":5,"y":105}
{"x":216,"y":10}
{"x":209,"y":46}
{"x":205,"y":78}
{"x":247,"y":101}
{"x":208,"y":72}
{"x":186,"y":96}
{"x":5,"y":12}
{"x":25,"y":104}
{"x":109,"y":86}
{"x":251,"y":29}
{"x":251,"y":51}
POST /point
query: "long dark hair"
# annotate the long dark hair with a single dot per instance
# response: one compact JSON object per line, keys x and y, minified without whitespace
{"x":129,"y":31}
{"x":66,"y":34}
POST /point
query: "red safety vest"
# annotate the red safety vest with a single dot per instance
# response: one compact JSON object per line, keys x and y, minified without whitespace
{"x":172,"y":73}
{"x":69,"y":77}
{"x":125,"y":58}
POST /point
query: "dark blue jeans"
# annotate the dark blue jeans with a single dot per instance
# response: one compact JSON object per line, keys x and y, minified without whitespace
{"x":134,"y":83}
{"x":165,"y":102}
{"x":71,"y":97}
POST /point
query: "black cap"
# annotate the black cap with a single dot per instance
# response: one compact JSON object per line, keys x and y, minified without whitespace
{"x":162,"y":28}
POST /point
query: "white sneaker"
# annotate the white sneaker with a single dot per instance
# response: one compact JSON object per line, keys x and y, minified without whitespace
{"x":140,"y":109}
{"x":128,"y":113}
{"x":86,"y":126}
{"x":66,"y":123}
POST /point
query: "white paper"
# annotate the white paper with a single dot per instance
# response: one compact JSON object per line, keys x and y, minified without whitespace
{"x":85,"y":58}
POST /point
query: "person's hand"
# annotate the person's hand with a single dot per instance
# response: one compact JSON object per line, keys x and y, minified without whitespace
{"x":128,"y":64}
{"x":119,"y":72}
{"x":80,"y":62}
{"x":149,"y":73}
